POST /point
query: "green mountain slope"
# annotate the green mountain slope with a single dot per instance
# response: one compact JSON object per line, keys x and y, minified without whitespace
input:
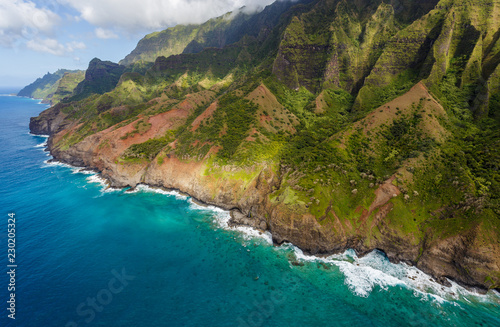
{"x":65,"y":86}
{"x":348,"y":124}
{"x":46,"y":86}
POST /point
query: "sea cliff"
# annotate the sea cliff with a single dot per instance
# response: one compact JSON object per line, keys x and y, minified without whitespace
{"x":246,"y":192}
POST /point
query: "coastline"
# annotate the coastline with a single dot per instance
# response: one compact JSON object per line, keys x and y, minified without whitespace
{"x":418,"y":281}
{"x":237,"y":219}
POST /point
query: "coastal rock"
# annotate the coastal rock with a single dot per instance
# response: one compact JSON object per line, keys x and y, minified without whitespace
{"x":49,"y":121}
{"x":238,"y":218}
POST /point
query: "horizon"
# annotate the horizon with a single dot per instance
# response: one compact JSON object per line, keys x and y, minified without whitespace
{"x":43,"y":36}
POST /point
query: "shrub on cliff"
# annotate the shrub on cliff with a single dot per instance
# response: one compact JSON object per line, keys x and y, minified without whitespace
{"x":147,"y":150}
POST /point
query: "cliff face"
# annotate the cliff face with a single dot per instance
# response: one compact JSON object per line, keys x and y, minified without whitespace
{"x":455,"y":35}
{"x":349,"y":124}
{"x":100,"y":77}
{"x":337,"y":43}
{"x":48,"y":122}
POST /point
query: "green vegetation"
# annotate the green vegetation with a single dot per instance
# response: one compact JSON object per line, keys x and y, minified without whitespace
{"x":215,"y":33}
{"x":66,"y":86}
{"x":371,"y":97}
{"x":50,"y":86}
{"x":100,"y":77}
{"x":227,"y":128}
{"x":147,"y":150}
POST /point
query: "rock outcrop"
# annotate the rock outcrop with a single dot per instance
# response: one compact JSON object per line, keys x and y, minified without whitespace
{"x":100,"y":77}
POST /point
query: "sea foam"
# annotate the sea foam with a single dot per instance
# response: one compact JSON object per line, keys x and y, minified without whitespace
{"x":44,"y":143}
{"x":51,"y":163}
{"x":222,"y":217}
{"x":149,"y":189}
{"x":38,"y":135}
{"x":41,"y":145}
{"x":83,"y":171}
{"x":363,"y":275}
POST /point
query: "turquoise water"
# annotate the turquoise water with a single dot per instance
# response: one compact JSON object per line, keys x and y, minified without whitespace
{"x":90,"y":257}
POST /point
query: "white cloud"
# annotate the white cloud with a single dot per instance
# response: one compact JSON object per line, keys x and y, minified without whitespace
{"x":22,"y":19}
{"x":53,"y":46}
{"x":105,"y":34}
{"x":75,"y":45}
{"x":140,"y":15}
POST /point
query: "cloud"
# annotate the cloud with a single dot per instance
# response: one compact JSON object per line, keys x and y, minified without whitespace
{"x":105,"y":34}
{"x":53,"y":46}
{"x":22,"y":19}
{"x":75,"y":45}
{"x":140,"y":15}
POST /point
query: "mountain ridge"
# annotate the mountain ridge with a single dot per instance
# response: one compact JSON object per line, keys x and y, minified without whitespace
{"x":216,"y":32}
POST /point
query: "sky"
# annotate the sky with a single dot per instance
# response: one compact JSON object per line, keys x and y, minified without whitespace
{"x":41,"y":36}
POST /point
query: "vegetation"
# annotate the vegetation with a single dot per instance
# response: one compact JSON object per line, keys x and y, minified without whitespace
{"x":226,"y":128}
{"x":147,"y":150}
{"x":49,"y":86}
{"x":100,"y":77}
{"x":66,"y":86}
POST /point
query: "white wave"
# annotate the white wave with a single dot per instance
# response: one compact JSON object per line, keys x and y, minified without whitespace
{"x":250,"y":233}
{"x":41,"y":145}
{"x":84,"y":171}
{"x":375,"y":269}
{"x":39,"y":135}
{"x":362,"y":275}
{"x":44,"y":143}
{"x":95,"y":178}
{"x":222,"y":217}
{"x":197,"y":206}
{"x":149,"y":189}
{"x":110,"y":189}
{"x":48,"y":163}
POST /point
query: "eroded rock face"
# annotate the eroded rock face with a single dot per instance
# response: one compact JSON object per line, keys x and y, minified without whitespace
{"x":48,"y":122}
{"x":100,"y":77}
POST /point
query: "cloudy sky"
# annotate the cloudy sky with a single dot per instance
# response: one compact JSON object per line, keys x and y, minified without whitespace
{"x":40,"y":36}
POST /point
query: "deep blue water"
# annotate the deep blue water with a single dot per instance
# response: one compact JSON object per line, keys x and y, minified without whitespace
{"x":86,"y":257}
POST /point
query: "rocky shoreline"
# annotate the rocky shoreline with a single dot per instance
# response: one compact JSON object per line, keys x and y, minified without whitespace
{"x":461,"y":258}
{"x":253,"y":210}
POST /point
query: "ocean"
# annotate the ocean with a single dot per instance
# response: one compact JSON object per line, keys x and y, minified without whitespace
{"x":88,"y":256}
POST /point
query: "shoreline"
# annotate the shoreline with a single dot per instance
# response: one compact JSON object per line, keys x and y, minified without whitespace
{"x":300,"y":254}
